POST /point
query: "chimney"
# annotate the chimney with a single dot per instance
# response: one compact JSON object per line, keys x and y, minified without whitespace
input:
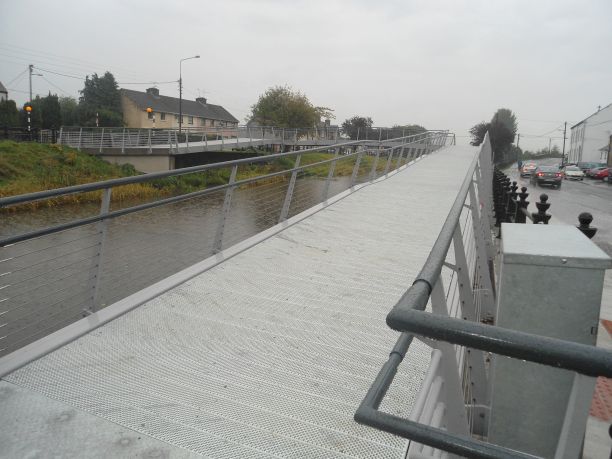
{"x":153,"y":91}
{"x":202,"y":100}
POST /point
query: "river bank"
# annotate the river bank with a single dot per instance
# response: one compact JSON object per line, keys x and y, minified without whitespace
{"x":29,"y":167}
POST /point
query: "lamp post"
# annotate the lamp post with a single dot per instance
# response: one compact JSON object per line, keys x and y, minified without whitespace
{"x":152,"y":113}
{"x":181,"y":89}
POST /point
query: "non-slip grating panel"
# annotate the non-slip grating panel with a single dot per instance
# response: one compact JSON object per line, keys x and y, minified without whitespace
{"x":269,"y":353}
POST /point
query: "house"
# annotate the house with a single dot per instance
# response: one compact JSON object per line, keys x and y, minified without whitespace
{"x":3,"y":93}
{"x":588,"y":136}
{"x":165,"y":111}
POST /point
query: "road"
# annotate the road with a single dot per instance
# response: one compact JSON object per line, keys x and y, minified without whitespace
{"x":571,"y":199}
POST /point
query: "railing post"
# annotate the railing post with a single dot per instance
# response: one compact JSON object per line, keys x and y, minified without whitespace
{"x":149,"y":142}
{"x":101,"y":140}
{"x":389,"y":158}
{"x":330,"y":174}
{"x":474,"y":359}
{"x":187,"y":139}
{"x":486,"y":292}
{"x":227,"y":204}
{"x":374,"y":166}
{"x":289,"y":195}
{"x":123,"y":141}
{"x":96,"y":269}
{"x":59,"y":139}
{"x":522,"y":206}
{"x":356,"y":168}
{"x":541,"y":216}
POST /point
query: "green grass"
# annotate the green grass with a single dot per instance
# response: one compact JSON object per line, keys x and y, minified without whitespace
{"x":28,"y":167}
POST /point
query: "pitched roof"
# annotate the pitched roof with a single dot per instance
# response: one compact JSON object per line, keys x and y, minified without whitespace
{"x":171,"y":105}
{"x":579,"y":123}
{"x":2,"y":88}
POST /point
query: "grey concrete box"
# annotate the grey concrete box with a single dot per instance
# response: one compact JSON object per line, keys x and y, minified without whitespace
{"x":550,"y":284}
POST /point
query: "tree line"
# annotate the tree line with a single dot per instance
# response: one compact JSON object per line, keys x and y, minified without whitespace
{"x":99,"y":102}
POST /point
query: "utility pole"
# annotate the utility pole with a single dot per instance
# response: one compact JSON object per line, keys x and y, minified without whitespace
{"x":564,"y":137}
{"x":549,"y":141}
{"x":30,"y":69}
{"x":518,"y":140}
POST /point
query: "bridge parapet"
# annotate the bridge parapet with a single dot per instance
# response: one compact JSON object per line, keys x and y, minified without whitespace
{"x":458,"y":409}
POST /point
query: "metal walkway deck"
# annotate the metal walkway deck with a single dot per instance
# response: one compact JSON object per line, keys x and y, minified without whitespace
{"x":267,"y":354}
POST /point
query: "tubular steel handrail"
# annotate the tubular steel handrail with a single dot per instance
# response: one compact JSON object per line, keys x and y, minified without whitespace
{"x":408,"y":316}
{"x":40,"y":267}
{"x":41,"y":195}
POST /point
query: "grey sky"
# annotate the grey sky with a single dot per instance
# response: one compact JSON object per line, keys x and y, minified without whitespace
{"x":443,"y":64}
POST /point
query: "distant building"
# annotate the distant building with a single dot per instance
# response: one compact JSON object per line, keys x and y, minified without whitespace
{"x":196,"y":114}
{"x":588,"y":137}
{"x":3,"y":92}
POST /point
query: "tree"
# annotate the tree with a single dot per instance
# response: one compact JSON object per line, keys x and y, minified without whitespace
{"x":282,"y":107}
{"x":9,"y":115}
{"x":357,"y":127}
{"x":478,"y":132}
{"x":502,"y":130}
{"x":50,"y":112}
{"x":100,"y":95}
{"x":69,"y":111}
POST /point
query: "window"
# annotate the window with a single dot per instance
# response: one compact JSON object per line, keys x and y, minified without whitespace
{"x":212,"y":123}
{"x":162,"y":116}
{"x":190,"y":119}
{"x":176,"y":118}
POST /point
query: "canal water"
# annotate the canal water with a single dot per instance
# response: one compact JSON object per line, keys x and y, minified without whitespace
{"x":46,"y":283}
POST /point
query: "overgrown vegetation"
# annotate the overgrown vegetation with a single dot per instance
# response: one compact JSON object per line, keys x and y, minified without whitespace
{"x":29,"y":167}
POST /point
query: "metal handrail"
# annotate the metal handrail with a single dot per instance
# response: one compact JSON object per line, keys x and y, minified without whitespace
{"x":94,"y":186}
{"x":37,"y":196}
{"x":408,"y":317}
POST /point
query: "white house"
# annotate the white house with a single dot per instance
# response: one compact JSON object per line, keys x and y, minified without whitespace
{"x":590,"y":138}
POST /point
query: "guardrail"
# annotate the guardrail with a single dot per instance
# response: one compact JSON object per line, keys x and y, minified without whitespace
{"x":81,"y":258}
{"x":451,"y":412}
{"x":151,"y":140}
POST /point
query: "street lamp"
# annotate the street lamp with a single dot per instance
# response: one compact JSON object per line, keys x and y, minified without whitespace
{"x":150,"y":112}
{"x":181,"y":89}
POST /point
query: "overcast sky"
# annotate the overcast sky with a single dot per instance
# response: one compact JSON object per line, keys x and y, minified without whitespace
{"x":442,"y":64}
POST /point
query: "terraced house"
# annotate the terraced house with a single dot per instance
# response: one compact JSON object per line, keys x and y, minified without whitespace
{"x":164,"y":112}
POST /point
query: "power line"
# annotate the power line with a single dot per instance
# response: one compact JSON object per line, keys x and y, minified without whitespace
{"x":56,"y":86}
{"x":18,"y":76}
{"x":83,"y":79}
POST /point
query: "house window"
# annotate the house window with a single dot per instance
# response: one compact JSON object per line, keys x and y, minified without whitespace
{"x":212,"y":123}
{"x":190,"y":119}
{"x":162,"y":116}
{"x":176,"y":118}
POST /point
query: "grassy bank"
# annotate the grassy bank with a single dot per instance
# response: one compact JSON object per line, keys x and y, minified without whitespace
{"x":29,"y":167}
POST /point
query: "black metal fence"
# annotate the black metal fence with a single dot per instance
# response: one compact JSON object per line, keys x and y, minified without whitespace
{"x":21,"y":134}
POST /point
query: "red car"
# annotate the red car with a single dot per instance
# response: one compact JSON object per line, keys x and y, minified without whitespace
{"x":601,"y":174}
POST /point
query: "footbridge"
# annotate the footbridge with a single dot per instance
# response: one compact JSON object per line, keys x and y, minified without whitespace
{"x":154,"y":150}
{"x":246,"y":318}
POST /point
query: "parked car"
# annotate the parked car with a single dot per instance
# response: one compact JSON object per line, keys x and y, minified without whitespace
{"x":547,"y":175}
{"x":572,"y":173}
{"x":601,"y":173}
{"x":591,"y":173}
{"x":527,"y":169}
{"x":585,"y":166}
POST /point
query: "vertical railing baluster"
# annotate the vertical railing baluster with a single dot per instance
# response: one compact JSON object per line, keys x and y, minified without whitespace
{"x":149,"y":141}
{"x":227,"y":204}
{"x":330,"y":174}
{"x":374,"y":165}
{"x":96,"y":269}
{"x":102,"y":140}
{"x":356,"y":168}
{"x":123,"y":141}
{"x":289,"y":195}
{"x":389,"y":158}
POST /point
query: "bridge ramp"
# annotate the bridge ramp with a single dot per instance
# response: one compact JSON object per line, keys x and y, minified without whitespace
{"x":269,"y":353}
